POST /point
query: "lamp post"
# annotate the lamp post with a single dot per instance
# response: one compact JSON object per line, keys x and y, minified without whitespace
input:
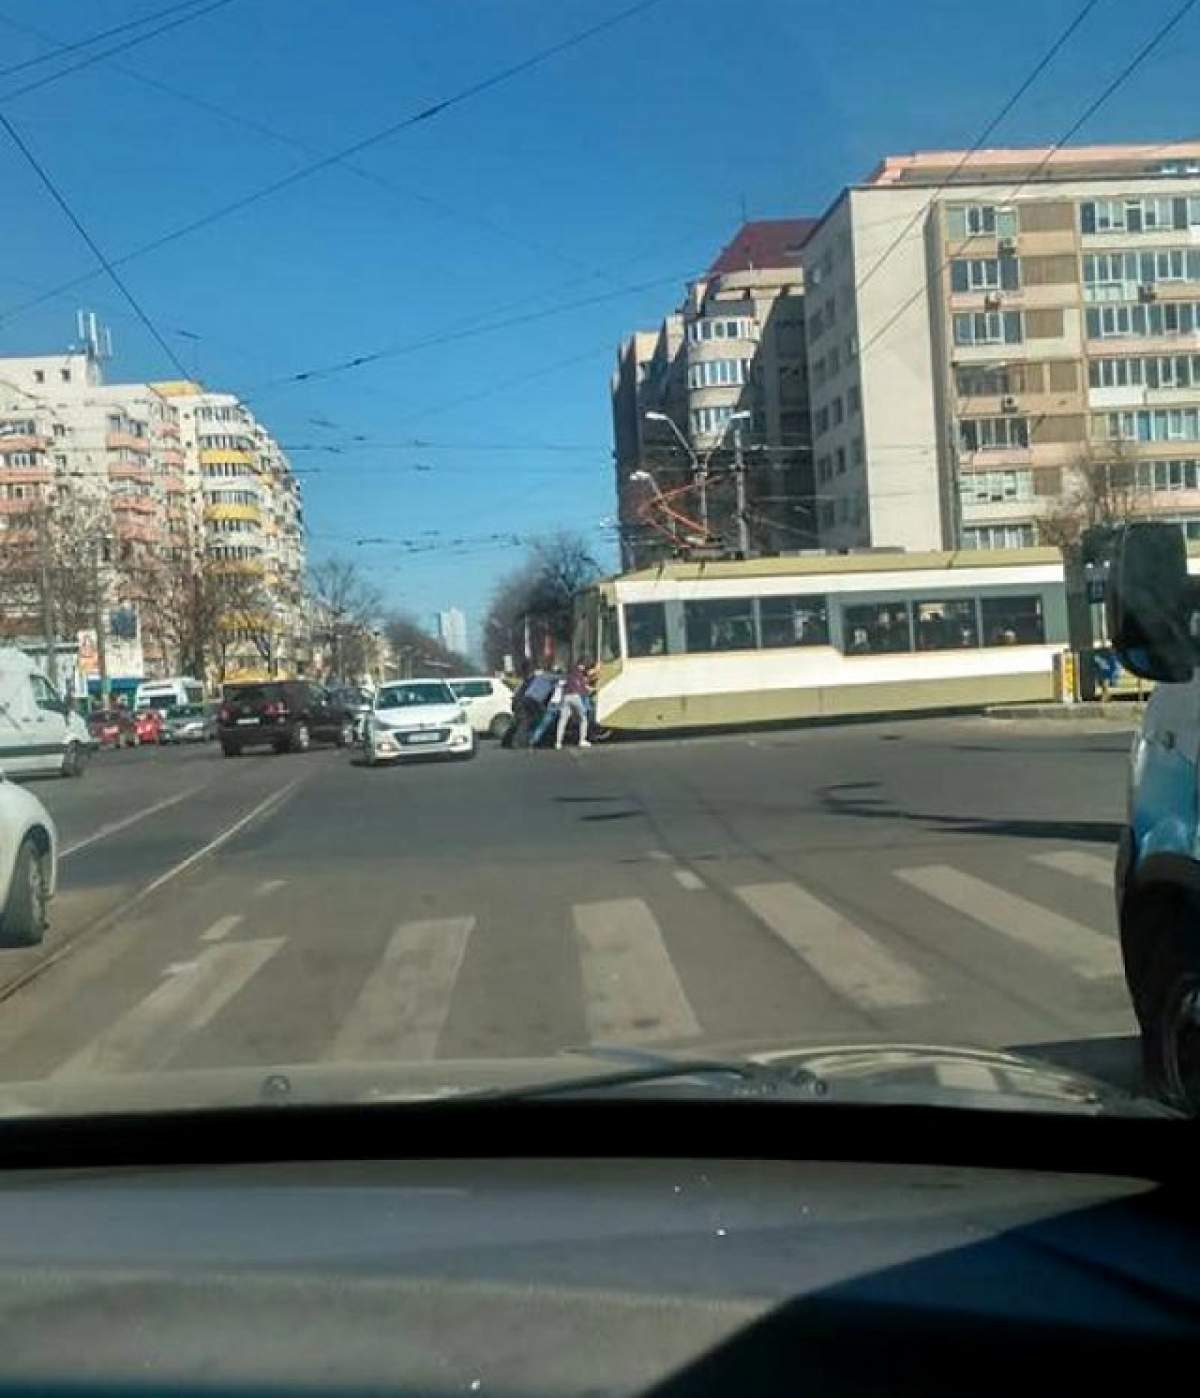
{"x":699,"y":468}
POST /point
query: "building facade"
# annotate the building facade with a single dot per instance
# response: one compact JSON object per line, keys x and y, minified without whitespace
{"x":106,"y":495}
{"x":735,"y":346}
{"x":452,"y":630}
{"x":993,"y":333}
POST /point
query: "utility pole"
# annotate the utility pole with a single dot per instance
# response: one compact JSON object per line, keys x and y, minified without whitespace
{"x":101,"y":648}
{"x":739,"y":481}
{"x":47,"y":597}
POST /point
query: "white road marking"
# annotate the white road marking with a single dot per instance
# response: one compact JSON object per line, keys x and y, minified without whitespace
{"x":224,"y":837}
{"x":844,"y":956}
{"x":631,"y":991}
{"x":686,"y":879}
{"x":126,"y":821}
{"x":1093,"y":867}
{"x":221,"y":928}
{"x":402,"y":1007}
{"x":659,"y":854}
{"x":147,"y":1036}
{"x":1087,"y":952}
{"x":268,"y":886}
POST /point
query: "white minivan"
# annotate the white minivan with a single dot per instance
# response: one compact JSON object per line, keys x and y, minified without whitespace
{"x":39,"y":732}
{"x":178,"y":692}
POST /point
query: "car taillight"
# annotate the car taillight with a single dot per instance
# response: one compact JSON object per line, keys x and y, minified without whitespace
{"x":226,"y":714}
{"x":275,"y":710}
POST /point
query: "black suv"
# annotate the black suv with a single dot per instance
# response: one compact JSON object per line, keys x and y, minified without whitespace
{"x":288,"y":715}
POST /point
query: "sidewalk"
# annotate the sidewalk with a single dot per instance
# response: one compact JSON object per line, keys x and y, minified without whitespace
{"x":1128,"y":711}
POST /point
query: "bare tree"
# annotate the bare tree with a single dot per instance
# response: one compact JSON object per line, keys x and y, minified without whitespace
{"x":418,"y":653}
{"x":1100,"y":487}
{"x":532,"y":607}
{"x":346,"y":606}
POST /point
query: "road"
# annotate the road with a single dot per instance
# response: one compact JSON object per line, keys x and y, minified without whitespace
{"x":934,"y":880}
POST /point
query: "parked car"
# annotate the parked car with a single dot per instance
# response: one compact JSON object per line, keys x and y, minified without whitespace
{"x":39,"y":731}
{"x":148,"y":726}
{"x":488,"y":702}
{"x":113,"y":728}
{"x":188,"y":723}
{"x":28,"y":866}
{"x":417,"y":718}
{"x":287,"y":715}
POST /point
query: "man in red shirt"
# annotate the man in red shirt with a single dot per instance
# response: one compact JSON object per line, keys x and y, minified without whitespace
{"x":575,"y":689}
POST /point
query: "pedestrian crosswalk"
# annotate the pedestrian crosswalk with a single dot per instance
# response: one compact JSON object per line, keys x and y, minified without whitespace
{"x":878,"y":951}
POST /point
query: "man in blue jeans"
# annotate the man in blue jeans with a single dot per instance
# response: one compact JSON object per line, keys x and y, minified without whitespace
{"x":553,"y":707}
{"x":574,"y":701}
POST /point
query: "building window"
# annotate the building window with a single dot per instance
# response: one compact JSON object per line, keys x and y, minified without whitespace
{"x":947,"y":624}
{"x":793,"y":621}
{"x":1165,"y":318}
{"x":822,"y":421}
{"x":835,"y":360}
{"x":985,"y":274}
{"x":853,"y":399}
{"x":856,"y":452}
{"x":838,"y":413}
{"x":724,"y":624}
{"x":988,"y":328}
{"x":1159,"y":371}
{"x":995,"y":487}
{"x":998,"y":536}
{"x":840,"y":456}
{"x":39,"y":376}
{"x":721,"y":328}
{"x":993,"y":433}
{"x":713,"y":373}
{"x":65,"y":375}
{"x":1149,"y":214}
{"x":1154,"y":425}
{"x":827,"y":515}
{"x":707,"y":421}
{"x":824,"y":469}
{"x":973,"y":220}
{"x":876,"y":628}
{"x":1012,"y":621}
{"x":646,"y":628}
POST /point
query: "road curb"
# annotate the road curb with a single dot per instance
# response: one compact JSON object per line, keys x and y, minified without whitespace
{"x":1129,"y":712}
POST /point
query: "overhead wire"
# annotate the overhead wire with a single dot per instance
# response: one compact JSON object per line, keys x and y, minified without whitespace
{"x":427,"y":113}
{"x":1089,"y":111}
{"x":1040,"y":67}
{"x":60,"y":199}
{"x":76,"y":44}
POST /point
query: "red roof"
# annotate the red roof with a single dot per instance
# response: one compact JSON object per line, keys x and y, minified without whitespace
{"x":764,"y":242}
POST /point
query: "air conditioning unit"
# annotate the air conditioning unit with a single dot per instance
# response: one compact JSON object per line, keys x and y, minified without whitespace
{"x":992,"y":300}
{"x":1008,"y":404}
{"x":1007,"y":245}
{"x":1147,"y":292}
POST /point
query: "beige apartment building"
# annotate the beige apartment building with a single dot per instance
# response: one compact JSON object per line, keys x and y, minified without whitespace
{"x":735,"y":346}
{"x":982,"y":325}
{"x":130,"y":478}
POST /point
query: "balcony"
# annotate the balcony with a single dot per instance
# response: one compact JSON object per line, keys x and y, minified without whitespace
{"x":28,"y":475}
{"x":173,"y":483}
{"x":126,"y":471}
{"x":117,"y":440}
{"x":20,"y":507}
{"x":247,"y":512}
{"x":137,"y":530}
{"x":171,"y":456}
{"x":216,"y":456}
{"x":22,"y":443}
{"x":133,"y":505}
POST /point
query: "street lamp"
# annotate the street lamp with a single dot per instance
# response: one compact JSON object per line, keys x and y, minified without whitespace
{"x":699,"y":468}
{"x":739,"y":476}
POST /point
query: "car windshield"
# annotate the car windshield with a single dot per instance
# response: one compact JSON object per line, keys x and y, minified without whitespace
{"x":407,"y":696}
{"x":639,"y":515}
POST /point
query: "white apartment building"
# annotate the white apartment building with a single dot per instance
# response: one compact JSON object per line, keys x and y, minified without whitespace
{"x":146,"y":473}
{"x":452,"y":630}
{"x":982,"y":323}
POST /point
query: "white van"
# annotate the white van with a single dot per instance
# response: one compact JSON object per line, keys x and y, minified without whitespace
{"x":38,"y":731}
{"x":179,"y":692}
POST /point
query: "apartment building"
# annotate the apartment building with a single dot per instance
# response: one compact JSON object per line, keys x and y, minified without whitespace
{"x":988,"y":329}
{"x":251,"y":524}
{"x":736,"y":345}
{"x":130,"y":478}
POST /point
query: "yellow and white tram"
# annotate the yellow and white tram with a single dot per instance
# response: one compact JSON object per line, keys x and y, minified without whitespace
{"x":687,"y":645}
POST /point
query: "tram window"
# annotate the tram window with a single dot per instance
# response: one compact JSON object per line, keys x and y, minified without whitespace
{"x":794,"y":621}
{"x":949,"y":624}
{"x":610,"y":641}
{"x":876,"y":628}
{"x":646,"y":628}
{"x":726,"y":624}
{"x":1012,"y":621}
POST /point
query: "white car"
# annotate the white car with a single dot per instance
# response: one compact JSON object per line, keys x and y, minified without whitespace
{"x":488,"y":702}
{"x":412,"y":718}
{"x":28,"y":865}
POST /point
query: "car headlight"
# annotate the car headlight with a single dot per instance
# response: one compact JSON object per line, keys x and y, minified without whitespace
{"x":462,"y":718}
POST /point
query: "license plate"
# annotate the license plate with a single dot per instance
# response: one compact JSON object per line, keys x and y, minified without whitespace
{"x":247,"y":720}
{"x":423,"y":738}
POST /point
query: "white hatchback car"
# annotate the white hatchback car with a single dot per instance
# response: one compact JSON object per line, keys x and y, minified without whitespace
{"x":488,"y":702}
{"x":28,"y":865}
{"x":414,"y":718}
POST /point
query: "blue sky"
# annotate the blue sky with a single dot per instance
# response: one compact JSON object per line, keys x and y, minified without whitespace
{"x":624,"y":162}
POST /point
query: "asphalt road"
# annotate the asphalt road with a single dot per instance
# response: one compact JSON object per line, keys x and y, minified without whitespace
{"x":936,"y":880}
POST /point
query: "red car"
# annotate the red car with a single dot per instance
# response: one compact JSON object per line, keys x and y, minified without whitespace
{"x":149,"y":724}
{"x":113,"y":728}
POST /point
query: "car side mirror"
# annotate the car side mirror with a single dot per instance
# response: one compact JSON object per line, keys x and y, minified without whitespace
{"x":1150,"y":601}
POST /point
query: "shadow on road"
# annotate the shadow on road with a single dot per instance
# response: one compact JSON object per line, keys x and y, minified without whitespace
{"x":1101,"y":832}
